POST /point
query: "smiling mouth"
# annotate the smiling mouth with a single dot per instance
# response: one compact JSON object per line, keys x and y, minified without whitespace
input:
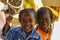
{"x":44,"y":24}
{"x":27,"y":27}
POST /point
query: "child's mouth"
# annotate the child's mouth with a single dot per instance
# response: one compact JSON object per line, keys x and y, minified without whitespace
{"x":27,"y":27}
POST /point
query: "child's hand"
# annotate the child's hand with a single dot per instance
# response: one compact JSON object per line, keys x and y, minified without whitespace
{"x":49,"y":30}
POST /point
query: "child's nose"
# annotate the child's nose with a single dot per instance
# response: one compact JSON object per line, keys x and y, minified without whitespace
{"x":27,"y":23}
{"x":43,"y":21}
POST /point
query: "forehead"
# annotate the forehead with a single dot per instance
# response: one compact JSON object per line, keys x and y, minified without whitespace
{"x":45,"y":15}
{"x":28,"y":15}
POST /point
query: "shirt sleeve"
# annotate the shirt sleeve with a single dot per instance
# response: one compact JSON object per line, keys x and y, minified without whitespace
{"x":10,"y":35}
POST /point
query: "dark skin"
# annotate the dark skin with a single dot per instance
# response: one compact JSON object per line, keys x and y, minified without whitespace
{"x":44,"y":22}
{"x":27,"y":23}
{"x":6,"y":26}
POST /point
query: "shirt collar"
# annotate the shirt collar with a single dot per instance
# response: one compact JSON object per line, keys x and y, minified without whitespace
{"x":33,"y":34}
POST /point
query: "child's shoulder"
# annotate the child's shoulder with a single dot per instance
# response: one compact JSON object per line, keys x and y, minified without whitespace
{"x":34,"y":32}
{"x":15,"y":29}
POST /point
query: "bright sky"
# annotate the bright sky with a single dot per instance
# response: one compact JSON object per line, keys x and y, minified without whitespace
{"x":39,"y":3}
{"x":56,"y":31}
{"x":1,"y":6}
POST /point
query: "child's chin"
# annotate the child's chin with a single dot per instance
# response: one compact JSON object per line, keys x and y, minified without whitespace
{"x":29,"y":30}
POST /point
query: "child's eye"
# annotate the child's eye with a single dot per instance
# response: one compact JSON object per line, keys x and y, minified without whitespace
{"x":26,"y":21}
{"x":23,"y":21}
{"x":30,"y":21}
{"x":46,"y":19}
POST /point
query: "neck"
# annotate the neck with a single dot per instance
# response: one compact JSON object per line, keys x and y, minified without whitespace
{"x":43,"y":29}
{"x":27,"y":34}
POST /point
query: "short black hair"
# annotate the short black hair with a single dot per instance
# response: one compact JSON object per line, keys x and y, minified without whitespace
{"x":27,"y":10}
{"x":44,"y":10}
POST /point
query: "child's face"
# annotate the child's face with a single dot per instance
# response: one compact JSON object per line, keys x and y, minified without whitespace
{"x":27,"y":22}
{"x":45,"y":22}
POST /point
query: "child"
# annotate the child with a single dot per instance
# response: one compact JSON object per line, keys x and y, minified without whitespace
{"x":44,"y":20}
{"x":2,"y":20}
{"x":26,"y":31}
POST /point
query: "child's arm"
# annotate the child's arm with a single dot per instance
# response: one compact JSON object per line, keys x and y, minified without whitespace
{"x":9,"y":35}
